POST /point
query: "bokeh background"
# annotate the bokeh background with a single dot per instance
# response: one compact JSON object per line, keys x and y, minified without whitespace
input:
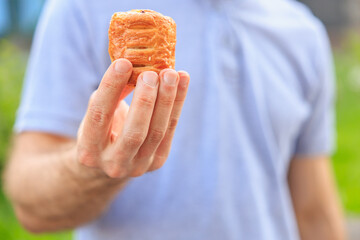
{"x":342,"y":18}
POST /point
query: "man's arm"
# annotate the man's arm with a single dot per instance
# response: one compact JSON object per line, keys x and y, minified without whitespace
{"x":49,"y":190}
{"x":318,"y":212}
{"x":57,"y":183}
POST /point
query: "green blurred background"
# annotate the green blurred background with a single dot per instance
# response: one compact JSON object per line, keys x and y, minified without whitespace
{"x":14,"y":50}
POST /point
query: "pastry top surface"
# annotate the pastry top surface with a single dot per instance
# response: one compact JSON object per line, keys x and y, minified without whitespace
{"x":145,"y":37}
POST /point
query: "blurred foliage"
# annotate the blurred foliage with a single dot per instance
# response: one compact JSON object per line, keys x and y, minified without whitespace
{"x":10,"y":229}
{"x":346,"y":160}
{"x":347,"y":156}
{"x":12,"y":65}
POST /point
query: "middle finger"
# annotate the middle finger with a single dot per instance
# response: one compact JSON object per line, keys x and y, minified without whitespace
{"x":164,"y":103}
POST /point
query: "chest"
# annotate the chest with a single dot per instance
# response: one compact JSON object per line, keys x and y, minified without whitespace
{"x":229,"y":64}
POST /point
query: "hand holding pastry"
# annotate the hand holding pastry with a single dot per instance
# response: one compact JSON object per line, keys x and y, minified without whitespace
{"x":128,"y":141}
{"x":125,"y":141}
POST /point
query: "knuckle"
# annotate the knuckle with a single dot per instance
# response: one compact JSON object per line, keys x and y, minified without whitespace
{"x":98,"y":116}
{"x":146,"y":101}
{"x":169,"y":88}
{"x":114,"y":171}
{"x":137,"y":172}
{"x":111,"y":85}
{"x":86,"y":158}
{"x":156,"y":135}
{"x":173,"y":123}
{"x":167,"y":101}
{"x":179,"y":100}
{"x":157,"y":164}
{"x":134,"y":139}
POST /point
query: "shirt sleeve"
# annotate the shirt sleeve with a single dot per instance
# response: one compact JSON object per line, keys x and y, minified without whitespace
{"x":317,"y":135}
{"x":61,"y":74}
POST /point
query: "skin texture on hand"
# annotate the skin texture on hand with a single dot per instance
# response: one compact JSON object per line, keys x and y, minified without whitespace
{"x":59,"y":183}
{"x":136,"y":139}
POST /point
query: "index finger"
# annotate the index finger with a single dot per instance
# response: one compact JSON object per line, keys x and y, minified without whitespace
{"x":104,"y":100}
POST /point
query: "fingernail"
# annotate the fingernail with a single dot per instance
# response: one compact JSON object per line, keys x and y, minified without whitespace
{"x":150,"y":78}
{"x":184,"y":81}
{"x":170,"y":77}
{"x":122,"y":66}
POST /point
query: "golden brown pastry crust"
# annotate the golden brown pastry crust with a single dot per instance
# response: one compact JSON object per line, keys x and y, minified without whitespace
{"x":146,"y":38}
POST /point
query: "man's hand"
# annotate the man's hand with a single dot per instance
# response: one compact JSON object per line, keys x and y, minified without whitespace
{"x":125,"y":141}
{"x":57,"y":183}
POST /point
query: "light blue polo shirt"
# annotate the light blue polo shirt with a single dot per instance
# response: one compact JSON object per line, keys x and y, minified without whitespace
{"x":261,"y":92}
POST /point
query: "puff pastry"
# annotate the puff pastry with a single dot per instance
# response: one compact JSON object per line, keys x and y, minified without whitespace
{"x":146,"y":38}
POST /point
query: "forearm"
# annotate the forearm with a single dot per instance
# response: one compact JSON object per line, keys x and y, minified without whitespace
{"x":316,"y":205}
{"x":51,"y":191}
{"x":320,"y":225}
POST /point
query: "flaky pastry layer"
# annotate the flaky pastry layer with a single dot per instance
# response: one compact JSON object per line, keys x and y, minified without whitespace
{"x":146,"y":38}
